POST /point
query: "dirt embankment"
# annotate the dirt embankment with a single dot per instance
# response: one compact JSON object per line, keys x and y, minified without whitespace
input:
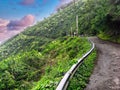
{"x":106,"y":75}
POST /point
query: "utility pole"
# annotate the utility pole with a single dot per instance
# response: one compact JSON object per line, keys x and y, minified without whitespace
{"x":76,"y":19}
{"x":74,"y":2}
{"x":71,"y":32}
{"x":77,"y":25}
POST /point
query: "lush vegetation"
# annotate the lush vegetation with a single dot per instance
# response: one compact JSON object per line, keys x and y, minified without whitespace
{"x":62,"y":54}
{"x":108,"y":37}
{"x":81,"y":77}
{"x":23,"y":70}
{"x":95,"y":17}
{"x":26,"y":59}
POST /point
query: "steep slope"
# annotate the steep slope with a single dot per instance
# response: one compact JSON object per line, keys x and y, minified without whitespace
{"x":23,"y":70}
{"x":21,"y":61}
{"x":92,"y":19}
{"x":52,"y":27}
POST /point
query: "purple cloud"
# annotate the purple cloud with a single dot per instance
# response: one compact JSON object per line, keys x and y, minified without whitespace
{"x":10,"y":28}
{"x":20,"y":24}
{"x":27,"y":2}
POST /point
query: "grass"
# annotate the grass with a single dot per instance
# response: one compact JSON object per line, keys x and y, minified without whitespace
{"x":41,"y":69}
{"x":81,"y":77}
{"x":62,"y":54}
{"x":107,"y":37}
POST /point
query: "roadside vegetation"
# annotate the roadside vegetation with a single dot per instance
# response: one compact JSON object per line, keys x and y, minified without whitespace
{"x":108,"y":37}
{"x":81,"y":77}
{"x":62,"y":54}
{"x":43,"y":69}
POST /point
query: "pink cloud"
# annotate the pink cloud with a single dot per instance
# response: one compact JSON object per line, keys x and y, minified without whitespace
{"x":10,"y":28}
{"x":3,"y":24}
{"x":20,"y":24}
{"x":27,"y":2}
{"x":7,"y":35}
{"x":3,"y":29}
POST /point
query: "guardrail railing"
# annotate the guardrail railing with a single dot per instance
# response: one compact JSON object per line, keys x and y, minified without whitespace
{"x":65,"y":80}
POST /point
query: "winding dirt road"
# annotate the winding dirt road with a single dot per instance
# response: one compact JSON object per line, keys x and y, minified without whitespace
{"x":106,"y":75}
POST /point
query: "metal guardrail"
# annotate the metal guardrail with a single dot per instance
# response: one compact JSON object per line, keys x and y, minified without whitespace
{"x":65,"y":80}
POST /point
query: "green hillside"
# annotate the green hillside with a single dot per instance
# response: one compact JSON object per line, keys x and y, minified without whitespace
{"x":38,"y":57}
{"x":93,"y":20}
{"x":23,"y":70}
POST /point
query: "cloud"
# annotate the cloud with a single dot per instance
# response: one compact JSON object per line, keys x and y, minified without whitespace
{"x":7,"y":35}
{"x":9,"y":29}
{"x":3,"y":29}
{"x":27,"y":2}
{"x":22,"y":23}
{"x":3,"y":24}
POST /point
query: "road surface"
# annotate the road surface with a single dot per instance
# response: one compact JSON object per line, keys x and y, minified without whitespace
{"x":106,"y":75}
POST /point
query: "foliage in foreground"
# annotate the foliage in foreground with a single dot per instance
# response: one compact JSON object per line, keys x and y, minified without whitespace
{"x":48,"y":65}
{"x":61,"y":55}
{"x":81,"y":77}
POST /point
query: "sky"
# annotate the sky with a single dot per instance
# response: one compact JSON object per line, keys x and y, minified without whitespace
{"x":16,"y":15}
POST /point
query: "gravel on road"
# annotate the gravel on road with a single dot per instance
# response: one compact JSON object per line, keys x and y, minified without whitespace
{"x":106,"y":74}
